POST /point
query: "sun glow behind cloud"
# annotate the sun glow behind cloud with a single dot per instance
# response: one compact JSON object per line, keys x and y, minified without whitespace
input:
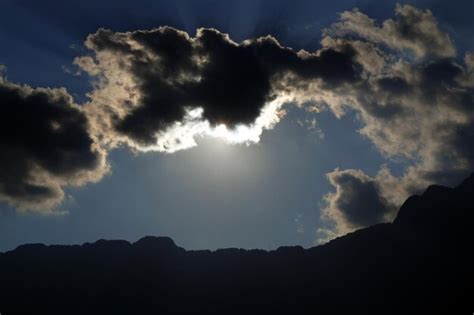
{"x":270,"y":115}
{"x":183,"y":135}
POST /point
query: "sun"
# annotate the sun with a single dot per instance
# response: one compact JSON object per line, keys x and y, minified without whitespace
{"x":239,"y":134}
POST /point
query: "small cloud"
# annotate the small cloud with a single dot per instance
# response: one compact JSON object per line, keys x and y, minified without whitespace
{"x":70,"y":71}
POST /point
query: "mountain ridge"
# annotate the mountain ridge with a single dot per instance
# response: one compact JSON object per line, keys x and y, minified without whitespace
{"x":422,"y":263}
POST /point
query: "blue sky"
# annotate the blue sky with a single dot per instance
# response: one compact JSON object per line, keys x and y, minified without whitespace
{"x":214,"y":195}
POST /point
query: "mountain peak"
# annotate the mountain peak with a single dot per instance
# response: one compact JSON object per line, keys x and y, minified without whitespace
{"x":467,"y":185}
{"x":156,"y":243}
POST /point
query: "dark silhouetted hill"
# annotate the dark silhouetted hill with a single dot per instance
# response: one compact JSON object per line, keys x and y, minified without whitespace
{"x":422,"y":263}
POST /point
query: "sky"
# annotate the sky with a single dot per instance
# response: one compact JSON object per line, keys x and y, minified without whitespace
{"x":122,"y":119}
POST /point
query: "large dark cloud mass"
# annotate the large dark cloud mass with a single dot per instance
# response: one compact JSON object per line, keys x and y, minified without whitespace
{"x":167,"y":73}
{"x":44,"y":144}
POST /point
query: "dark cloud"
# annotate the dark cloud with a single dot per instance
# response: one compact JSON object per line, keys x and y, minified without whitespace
{"x":44,"y":144}
{"x":440,"y":73}
{"x":170,"y":73}
{"x":358,"y":201}
{"x":394,"y":85}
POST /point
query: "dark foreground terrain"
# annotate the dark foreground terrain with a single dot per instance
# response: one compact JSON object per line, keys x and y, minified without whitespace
{"x":422,"y":263}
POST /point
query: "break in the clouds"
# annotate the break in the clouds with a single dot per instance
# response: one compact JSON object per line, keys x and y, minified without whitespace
{"x":161,"y":89}
{"x":45,"y":144}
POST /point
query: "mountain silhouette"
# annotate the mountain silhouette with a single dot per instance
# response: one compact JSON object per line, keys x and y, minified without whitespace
{"x":422,"y":263}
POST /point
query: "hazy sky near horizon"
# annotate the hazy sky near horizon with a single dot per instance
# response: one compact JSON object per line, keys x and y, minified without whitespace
{"x":217,"y":194}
